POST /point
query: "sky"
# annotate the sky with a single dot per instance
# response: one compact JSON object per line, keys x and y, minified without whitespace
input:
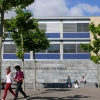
{"x":43,"y":8}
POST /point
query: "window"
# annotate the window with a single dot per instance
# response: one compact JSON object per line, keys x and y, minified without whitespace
{"x":53,"y":27}
{"x":69,"y":27}
{"x":80,"y":50}
{"x":42,"y":26}
{"x":54,"y":48}
{"x":82,"y":27}
{"x":69,"y":48}
{"x":27,"y":51}
{"x":42,"y":51}
{"x":9,"y":48}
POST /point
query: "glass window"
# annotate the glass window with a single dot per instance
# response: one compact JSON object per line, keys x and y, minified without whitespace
{"x":69,"y":48}
{"x":27,"y":51}
{"x":79,"y":27}
{"x":82,"y":27}
{"x":69,"y":27}
{"x":9,"y":48}
{"x":53,"y":27}
{"x":43,"y":26}
{"x":54,"y":48}
{"x":42,"y":51}
{"x":80,"y":50}
{"x":85,"y":27}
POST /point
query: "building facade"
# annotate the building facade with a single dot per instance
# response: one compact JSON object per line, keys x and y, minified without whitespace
{"x":63,"y":58}
{"x":65,"y":35}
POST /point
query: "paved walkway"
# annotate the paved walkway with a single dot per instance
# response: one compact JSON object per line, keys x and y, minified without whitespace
{"x":60,"y":94}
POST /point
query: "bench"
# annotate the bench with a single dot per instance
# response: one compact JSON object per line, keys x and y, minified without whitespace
{"x":87,"y":84}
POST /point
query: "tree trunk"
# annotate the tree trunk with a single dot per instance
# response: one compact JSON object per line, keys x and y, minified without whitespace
{"x":23,"y":61}
{"x":1,"y":34}
{"x":98,"y":76}
{"x":24,"y":74}
{"x":34,"y":72}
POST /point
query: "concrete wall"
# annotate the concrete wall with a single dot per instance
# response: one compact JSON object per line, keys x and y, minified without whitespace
{"x":56,"y":71}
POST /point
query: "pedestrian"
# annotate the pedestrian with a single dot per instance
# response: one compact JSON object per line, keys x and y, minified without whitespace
{"x":19,"y":79}
{"x":9,"y":79}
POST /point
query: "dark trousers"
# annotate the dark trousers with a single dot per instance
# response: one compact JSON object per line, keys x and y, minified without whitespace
{"x":19,"y":88}
{"x":69,"y":84}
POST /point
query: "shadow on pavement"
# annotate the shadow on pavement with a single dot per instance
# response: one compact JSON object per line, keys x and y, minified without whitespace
{"x":59,"y":90}
{"x":76,"y":97}
{"x":53,"y":90}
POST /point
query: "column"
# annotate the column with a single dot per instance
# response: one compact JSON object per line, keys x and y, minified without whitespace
{"x":31,"y":55}
{"x":61,"y":37}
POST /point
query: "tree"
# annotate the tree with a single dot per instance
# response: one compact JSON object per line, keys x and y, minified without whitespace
{"x":94,"y":47}
{"x":6,"y":5}
{"x":37,"y":41}
{"x":27,"y":36}
{"x":18,"y":28}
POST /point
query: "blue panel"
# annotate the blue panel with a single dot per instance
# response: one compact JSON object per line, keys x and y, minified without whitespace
{"x":76,"y":56}
{"x":83,"y":35}
{"x":47,"y":56}
{"x":53,"y":35}
{"x":13,"y":56}
{"x":69,"y":35}
{"x":76,"y":35}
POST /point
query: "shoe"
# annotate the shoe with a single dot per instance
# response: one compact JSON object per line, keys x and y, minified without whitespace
{"x":26,"y":98}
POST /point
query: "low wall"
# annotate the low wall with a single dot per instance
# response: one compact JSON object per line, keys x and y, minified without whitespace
{"x":55,"y":71}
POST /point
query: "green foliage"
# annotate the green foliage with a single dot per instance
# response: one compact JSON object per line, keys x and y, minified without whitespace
{"x":94,"y":45}
{"x":37,"y":40}
{"x":19,"y":53}
{"x":95,"y":59}
{"x":9,"y":4}
{"x":23,"y":26}
{"x":4,"y":36}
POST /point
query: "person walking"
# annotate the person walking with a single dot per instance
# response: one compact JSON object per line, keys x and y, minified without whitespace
{"x":9,"y":79}
{"x":19,"y":79}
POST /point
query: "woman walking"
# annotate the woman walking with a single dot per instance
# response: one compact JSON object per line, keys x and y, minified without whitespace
{"x":19,"y":79}
{"x":9,"y":79}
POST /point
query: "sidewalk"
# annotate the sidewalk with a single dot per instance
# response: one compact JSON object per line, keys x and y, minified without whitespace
{"x":60,"y":94}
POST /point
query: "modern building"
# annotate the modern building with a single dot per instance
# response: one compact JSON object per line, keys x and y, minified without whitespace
{"x":65,"y":35}
{"x":63,"y":58}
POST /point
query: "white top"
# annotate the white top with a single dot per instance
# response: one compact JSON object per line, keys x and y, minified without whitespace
{"x":76,"y":85}
{"x":9,"y":78}
{"x":84,"y":80}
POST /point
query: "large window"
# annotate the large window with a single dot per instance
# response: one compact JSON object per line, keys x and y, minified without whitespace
{"x":80,"y":50}
{"x":69,"y":27}
{"x":69,"y":48}
{"x":75,"y":27}
{"x":53,"y":27}
{"x":9,"y":48}
{"x":54,"y":48}
{"x":73,"y":48}
{"x":42,"y":26}
{"x":42,"y":51}
{"x":82,"y":27}
{"x":50,"y":27}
